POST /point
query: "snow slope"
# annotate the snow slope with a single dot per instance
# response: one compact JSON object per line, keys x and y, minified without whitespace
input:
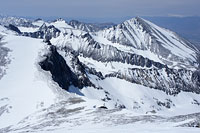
{"x":23,"y":86}
{"x":138,"y":128}
{"x":144,"y":100}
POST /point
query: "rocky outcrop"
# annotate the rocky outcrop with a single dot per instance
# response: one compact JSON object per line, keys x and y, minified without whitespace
{"x":171,"y":81}
{"x":196,"y":78}
{"x":4,"y":61}
{"x":13,"y":28}
{"x":89,"y":27}
{"x":62,"y":73}
{"x":44,"y":32}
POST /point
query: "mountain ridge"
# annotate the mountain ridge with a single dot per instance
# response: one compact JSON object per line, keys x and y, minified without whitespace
{"x":132,"y":69}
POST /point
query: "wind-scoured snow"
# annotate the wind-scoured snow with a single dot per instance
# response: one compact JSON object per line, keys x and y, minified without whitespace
{"x":23,"y":85}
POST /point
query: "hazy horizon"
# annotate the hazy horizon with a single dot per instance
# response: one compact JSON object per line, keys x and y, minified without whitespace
{"x":115,"y":20}
{"x":103,"y":10}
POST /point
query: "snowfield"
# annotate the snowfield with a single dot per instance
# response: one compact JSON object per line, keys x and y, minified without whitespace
{"x":23,"y":86}
{"x":27,"y":29}
{"x":31,"y":101}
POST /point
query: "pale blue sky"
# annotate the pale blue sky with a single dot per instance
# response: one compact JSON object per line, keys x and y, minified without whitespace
{"x":99,"y":8}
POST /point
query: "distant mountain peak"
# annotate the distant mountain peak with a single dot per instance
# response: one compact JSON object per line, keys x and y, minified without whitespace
{"x":44,"y":26}
{"x":59,"y":20}
{"x":38,"y":19}
{"x":89,"y":27}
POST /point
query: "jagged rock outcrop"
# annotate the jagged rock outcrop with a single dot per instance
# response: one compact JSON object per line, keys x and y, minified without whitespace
{"x":4,"y":61}
{"x":13,"y":28}
{"x":62,"y":73}
{"x":196,"y":78}
{"x":168,"y":80}
{"x":44,"y":32}
{"x":89,"y":27}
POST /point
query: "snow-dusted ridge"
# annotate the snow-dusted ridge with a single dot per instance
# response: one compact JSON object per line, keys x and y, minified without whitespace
{"x":143,"y":35}
{"x":58,"y":77}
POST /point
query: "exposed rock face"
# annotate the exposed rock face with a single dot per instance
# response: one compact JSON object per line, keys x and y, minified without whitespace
{"x":61,"y":72}
{"x":4,"y":61}
{"x":89,"y":27}
{"x":13,"y":28}
{"x":44,"y":32}
{"x":196,"y":78}
{"x":55,"y":63}
{"x":168,"y":80}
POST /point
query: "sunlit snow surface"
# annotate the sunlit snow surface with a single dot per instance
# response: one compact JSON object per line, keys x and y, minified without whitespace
{"x":23,"y":84}
{"x":27,"y":29}
{"x":31,"y":102}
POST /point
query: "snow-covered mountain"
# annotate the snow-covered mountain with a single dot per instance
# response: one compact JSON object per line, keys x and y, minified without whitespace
{"x":143,"y":35}
{"x":56,"y":76}
{"x":17,"y":21}
{"x":90,"y":27}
